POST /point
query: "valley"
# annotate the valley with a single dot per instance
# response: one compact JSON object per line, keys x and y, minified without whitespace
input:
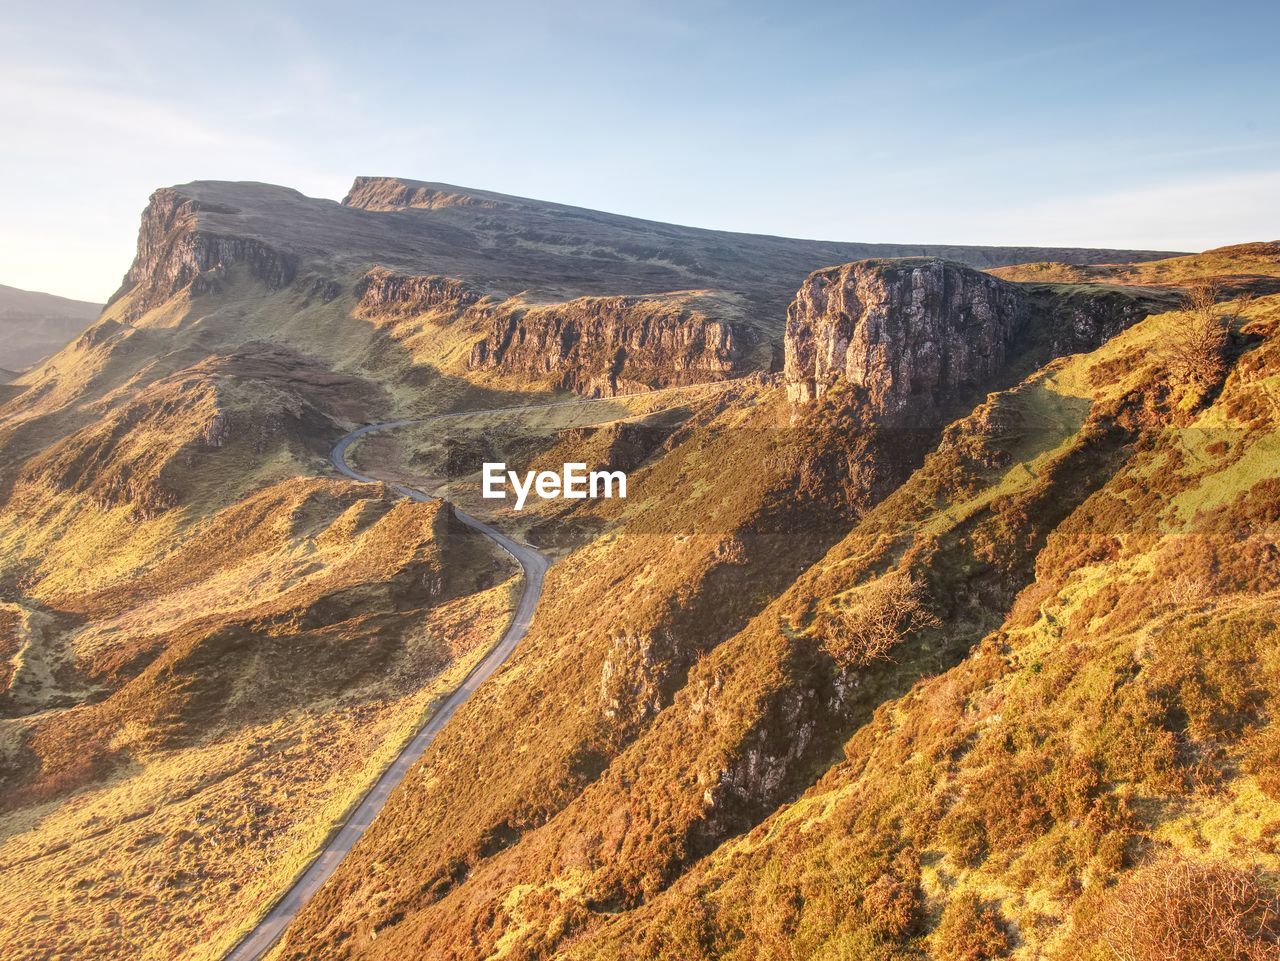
{"x":936,"y":619}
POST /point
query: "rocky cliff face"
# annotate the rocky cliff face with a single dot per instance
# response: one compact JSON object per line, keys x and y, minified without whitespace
{"x":1081,"y":318}
{"x":386,"y":294}
{"x":174,"y":252}
{"x":909,"y":333}
{"x":602,"y":346}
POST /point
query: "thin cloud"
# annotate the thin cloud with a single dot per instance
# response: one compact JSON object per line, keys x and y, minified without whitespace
{"x":1190,"y":214}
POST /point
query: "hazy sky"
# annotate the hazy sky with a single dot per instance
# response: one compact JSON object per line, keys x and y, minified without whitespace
{"x":1122,"y":123}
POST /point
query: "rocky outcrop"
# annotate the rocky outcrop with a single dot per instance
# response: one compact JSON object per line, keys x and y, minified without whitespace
{"x":1081,"y":318}
{"x":386,"y":294}
{"x":174,"y":253}
{"x":910,"y":334}
{"x":602,"y":346}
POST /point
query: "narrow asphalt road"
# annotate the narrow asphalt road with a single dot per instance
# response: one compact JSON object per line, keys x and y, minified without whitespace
{"x":256,"y":943}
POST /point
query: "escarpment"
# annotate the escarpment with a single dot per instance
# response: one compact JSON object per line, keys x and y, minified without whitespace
{"x":174,"y":252}
{"x":909,"y":333}
{"x":912,"y":336}
{"x":602,"y":346}
{"x":383,"y":293}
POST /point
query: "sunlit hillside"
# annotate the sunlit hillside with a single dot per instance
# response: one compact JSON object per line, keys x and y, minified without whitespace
{"x":935,"y":623}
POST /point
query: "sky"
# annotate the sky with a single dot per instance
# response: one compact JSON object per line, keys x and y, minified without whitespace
{"x":1118,"y":124}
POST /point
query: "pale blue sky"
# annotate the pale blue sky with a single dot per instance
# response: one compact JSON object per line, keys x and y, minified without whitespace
{"x":1116,"y":124}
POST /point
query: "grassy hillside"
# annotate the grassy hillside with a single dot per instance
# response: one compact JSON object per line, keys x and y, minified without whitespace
{"x":1255,"y":266}
{"x":816,"y":686}
{"x":1069,"y":701}
{"x":1112,"y":730}
{"x":158,"y":705}
{"x":207,"y":652}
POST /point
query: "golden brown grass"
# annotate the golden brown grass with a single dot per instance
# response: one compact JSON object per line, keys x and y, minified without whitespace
{"x":188,"y":722}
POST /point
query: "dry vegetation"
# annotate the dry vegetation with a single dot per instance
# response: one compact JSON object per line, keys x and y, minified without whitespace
{"x":1254,"y":265}
{"x":816,"y":689}
{"x":210,"y":762}
{"x":1078,"y":677}
{"x":207,"y":656}
{"x":1117,"y":713}
{"x":1201,"y":338}
{"x":874,"y":618}
{"x":1192,"y":910}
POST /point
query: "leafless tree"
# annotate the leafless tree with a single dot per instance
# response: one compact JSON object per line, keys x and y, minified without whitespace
{"x":1197,"y":349}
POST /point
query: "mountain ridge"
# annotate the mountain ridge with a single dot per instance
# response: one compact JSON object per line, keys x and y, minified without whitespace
{"x":360,"y":237}
{"x":34,"y":325}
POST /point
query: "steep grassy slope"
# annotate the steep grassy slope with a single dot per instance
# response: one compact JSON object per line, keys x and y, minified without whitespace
{"x":787,"y":786}
{"x":1122,"y":710}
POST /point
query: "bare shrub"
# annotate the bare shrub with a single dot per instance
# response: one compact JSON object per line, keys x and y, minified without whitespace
{"x":874,"y":619}
{"x":1177,"y":908}
{"x":1186,"y":590}
{"x":1197,"y":349}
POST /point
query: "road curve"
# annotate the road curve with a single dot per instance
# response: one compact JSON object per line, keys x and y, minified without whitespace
{"x":256,"y":943}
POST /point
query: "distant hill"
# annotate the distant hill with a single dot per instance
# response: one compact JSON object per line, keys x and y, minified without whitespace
{"x":34,"y":325}
{"x":1251,"y":267}
{"x":485,"y":286}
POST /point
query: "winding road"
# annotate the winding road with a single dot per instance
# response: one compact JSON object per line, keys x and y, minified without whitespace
{"x":256,"y":943}
{"x":259,"y":940}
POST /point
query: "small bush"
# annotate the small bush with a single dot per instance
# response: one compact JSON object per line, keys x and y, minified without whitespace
{"x":1197,"y":351}
{"x":892,"y":901}
{"x":969,"y":931}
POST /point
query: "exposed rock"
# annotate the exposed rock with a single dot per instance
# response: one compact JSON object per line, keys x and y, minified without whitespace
{"x":635,"y":676}
{"x":1084,"y":318}
{"x":324,"y":289}
{"x":386,"y":294}
{"x":174,"y":253}
{"x":602,"y":346}
{"x":216,"y":430}
{"x":910,"y":333}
